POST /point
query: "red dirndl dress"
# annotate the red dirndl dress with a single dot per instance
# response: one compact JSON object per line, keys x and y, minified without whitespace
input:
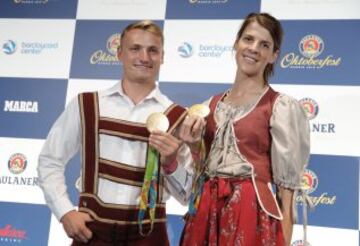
{"x":229,"y":214}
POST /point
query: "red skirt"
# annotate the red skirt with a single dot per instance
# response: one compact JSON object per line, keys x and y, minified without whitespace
{"x":229,"y":214}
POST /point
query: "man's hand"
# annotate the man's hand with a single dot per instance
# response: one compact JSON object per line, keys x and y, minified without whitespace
{"x":74,"y":224}
{"x":166,"y":144}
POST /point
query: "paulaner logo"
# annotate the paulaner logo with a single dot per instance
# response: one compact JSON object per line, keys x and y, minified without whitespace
{"x":17,"y":163}
{"x":309,"y":181}
{"x":309,"y":184}
{"x":311,"y":109}
{"x":310,"y":47}
{"x":10,"y":234}
{"x":310,"y":106}
{"x":9,"y":47}
{"x":108,"y":57}
{"x":21,"y":106}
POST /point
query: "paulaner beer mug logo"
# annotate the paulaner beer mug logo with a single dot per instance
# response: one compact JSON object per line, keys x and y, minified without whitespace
{"x":9,"y":47}
{"x":185,"y":50}
{"x":17,"y":163}
{"x":310,"y":106}
{"x":311,"y":46}
{"x":309,"y":181}
{"x":113,"y":43}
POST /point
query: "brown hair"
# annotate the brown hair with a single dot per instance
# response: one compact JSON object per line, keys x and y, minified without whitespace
{"x":271,"y":24}
{"x":146,"y":25}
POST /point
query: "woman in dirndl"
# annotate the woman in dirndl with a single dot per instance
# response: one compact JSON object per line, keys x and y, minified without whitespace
{"x":255,"y":149}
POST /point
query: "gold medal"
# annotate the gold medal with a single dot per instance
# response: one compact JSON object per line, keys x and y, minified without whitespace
{"x":157,"y":121}
{"x":200,"y":110}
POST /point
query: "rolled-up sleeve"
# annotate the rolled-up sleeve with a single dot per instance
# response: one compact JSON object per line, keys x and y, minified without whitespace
{"x":290,"y":146}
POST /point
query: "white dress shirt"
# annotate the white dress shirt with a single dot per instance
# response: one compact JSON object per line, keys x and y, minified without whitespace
{"x":64,"y":141}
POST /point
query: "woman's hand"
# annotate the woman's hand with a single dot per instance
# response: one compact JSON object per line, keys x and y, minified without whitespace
{"x":191,"y":131}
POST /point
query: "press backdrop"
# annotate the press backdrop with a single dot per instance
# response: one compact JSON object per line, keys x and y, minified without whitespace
{"x":53,"y":49}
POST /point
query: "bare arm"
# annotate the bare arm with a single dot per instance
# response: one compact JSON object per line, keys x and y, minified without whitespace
{"x":286,"y":199}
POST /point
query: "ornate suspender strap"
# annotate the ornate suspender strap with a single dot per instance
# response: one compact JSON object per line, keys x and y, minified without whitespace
{"x":88,"y":104}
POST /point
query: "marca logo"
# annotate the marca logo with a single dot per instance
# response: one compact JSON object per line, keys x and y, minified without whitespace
{"x":108,"y":57}
{"x":309,"y":184}
{"x":10,"y":234}
{"x":310,"y":47}
{"x":21,"y":106}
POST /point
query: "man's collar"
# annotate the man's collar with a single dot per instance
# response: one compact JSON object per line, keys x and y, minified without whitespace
{"x":155,"y":94}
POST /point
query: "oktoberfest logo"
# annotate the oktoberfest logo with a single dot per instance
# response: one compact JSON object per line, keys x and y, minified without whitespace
{"x":309,"y":181}
{"x":113,"y":43}
{"x":311,"y":46}
{"x":17,"y":163}
{"x":310,"y":106}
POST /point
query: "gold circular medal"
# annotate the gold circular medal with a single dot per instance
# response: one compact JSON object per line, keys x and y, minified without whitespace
{"x":200,"y":110}
{"x":157,"y":121}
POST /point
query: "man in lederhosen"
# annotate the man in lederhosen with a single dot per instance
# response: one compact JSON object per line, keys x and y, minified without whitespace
{"x":108,"y":128}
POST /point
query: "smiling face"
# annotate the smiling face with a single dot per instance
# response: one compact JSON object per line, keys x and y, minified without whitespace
{"x":255,"y":50}
{"x":141,"y":54}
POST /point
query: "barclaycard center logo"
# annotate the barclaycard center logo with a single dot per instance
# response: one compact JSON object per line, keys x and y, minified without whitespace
{"x":311,"y":46}
{"x":310,"y":106}
{"x":17,"y":163}
{"x":309,"y":181}
{"x":185,"y":50}
{"x":113,"y":43}
{"x":9,"y":47}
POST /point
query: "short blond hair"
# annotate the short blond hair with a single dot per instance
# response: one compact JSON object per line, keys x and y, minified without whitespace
{"x":146,"y":25}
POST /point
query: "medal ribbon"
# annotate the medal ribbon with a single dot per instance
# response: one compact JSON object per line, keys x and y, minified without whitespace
{"x":148,"y":194}
{"x":199,"y":181}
